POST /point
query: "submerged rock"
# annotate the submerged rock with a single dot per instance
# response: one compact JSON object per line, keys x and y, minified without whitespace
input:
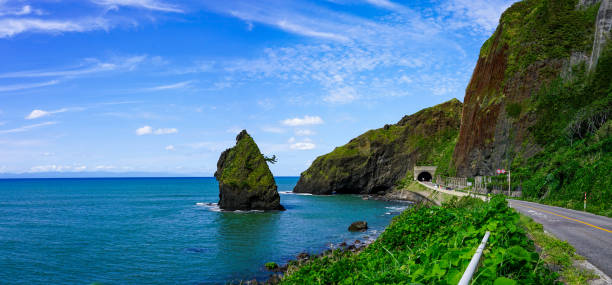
{"x":245,"y":181}
{"x":359,"y":226}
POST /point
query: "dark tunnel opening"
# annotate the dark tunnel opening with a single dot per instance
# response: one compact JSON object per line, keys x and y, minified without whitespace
{"x":424,"y":176}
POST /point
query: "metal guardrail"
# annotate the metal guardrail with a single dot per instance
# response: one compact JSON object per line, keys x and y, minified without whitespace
{"x":469,"y":271}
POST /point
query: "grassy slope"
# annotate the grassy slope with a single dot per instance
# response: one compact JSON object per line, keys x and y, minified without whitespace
{"x":434,"y":245}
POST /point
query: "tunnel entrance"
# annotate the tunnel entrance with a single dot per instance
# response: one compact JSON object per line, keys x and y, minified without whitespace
{"x":424,"y":176}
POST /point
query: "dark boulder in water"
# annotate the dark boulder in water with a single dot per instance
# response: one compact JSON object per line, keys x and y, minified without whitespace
{"x":359,"y":226}
{"x":245,"y":180}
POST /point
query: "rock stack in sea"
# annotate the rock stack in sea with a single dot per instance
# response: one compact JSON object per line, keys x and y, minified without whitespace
{"x":245,"y":180}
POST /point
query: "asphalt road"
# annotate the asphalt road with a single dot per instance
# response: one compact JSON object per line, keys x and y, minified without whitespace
{"x":591,"y":235}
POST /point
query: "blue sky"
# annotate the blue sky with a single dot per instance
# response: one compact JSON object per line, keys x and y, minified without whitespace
{"x":164,"y":86}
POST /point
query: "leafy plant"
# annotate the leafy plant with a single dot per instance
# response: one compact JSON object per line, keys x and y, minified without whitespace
{"x":434,"y":246}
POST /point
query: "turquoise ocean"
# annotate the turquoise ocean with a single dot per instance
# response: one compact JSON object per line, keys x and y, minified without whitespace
{"x":161,"y":230}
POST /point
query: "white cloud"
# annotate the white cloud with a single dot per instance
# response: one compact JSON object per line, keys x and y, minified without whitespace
{"x":26,"y":128}
{"x":304,"y":132}
{"x":143,"y":4}
{"x":302,"y":146}
{"x":22,"y":11}
{"x":12,"y":26}
{"x":148,"y":130}
{"x":178,"y":85}
{"x":170,"y":148}
{"x":35,"y":114}
{"x":306,"y":120}
{"x":17,"y":87}
{"x":306,"y":31}
{"x":386,"y":4}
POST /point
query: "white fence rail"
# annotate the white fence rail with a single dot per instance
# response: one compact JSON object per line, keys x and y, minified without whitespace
{"x":469,"y":271}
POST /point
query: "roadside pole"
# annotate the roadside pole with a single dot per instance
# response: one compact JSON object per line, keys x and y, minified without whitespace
{"x":585,"y":201}
{"x":508,"y":183}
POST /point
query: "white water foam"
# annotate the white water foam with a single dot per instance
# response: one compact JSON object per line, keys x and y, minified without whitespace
{"x":293,"y":193}
{"x":214,"y":207}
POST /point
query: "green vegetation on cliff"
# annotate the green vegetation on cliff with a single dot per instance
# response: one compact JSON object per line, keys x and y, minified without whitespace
{"x":244,"y":166}
{"x":575,"y":128}
{"x":434,"y":245}
{"x":377,"y":159}
{"x":537,"y":30}
{"x":245,"y":181}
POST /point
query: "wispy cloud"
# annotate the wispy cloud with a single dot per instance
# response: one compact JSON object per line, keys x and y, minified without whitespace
{"x":170,"y":148}
{"x":89,"y":66}
{"x":305,"y":121}
{"x":37,"y":113}
{"x":142,"y":4}
{"x":178,"y":85}
{"x":12,"y":26}
{"x":19,"y":11}
{"x":480,"y":15}
{"x":26,"y":128}
{"x":17,"y":87}
{"x":148,"y":130}
{"x":306,"y":144}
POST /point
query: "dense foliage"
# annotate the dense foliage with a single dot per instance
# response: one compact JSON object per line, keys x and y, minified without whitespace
{"x":433,"y":246}
{"x":575,"y":129}
{"x":244,"y":166}
{"x":536,"y":30}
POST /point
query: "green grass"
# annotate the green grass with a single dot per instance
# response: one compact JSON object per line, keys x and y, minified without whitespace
{"x":557,"y":253}
{"x":434,"y":245}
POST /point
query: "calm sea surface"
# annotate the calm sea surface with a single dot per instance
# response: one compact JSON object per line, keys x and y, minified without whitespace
{"x":158,"y":231}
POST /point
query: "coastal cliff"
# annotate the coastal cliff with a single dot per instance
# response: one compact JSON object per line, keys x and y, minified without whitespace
{"x":376,"y":160}
{"x":245,"y":181}
{"x":536,"y":43}
{"x":538,"y":104}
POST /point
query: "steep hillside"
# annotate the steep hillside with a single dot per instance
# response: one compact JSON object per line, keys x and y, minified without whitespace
{"x":536,"y":42}
{"x":539,"y":103}
{"x":377,"y":159}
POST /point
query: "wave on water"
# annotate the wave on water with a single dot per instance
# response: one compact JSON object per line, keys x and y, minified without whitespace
{"x":214,"y":207}
{"x":395,"y":209}
{"x":293,"y":193}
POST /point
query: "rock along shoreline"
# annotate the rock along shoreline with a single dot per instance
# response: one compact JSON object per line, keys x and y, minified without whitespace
{"x":303,"y":258}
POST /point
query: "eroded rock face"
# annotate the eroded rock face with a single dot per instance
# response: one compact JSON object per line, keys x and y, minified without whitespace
{"x":245,"y":181}
{"x":374,"y":161}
